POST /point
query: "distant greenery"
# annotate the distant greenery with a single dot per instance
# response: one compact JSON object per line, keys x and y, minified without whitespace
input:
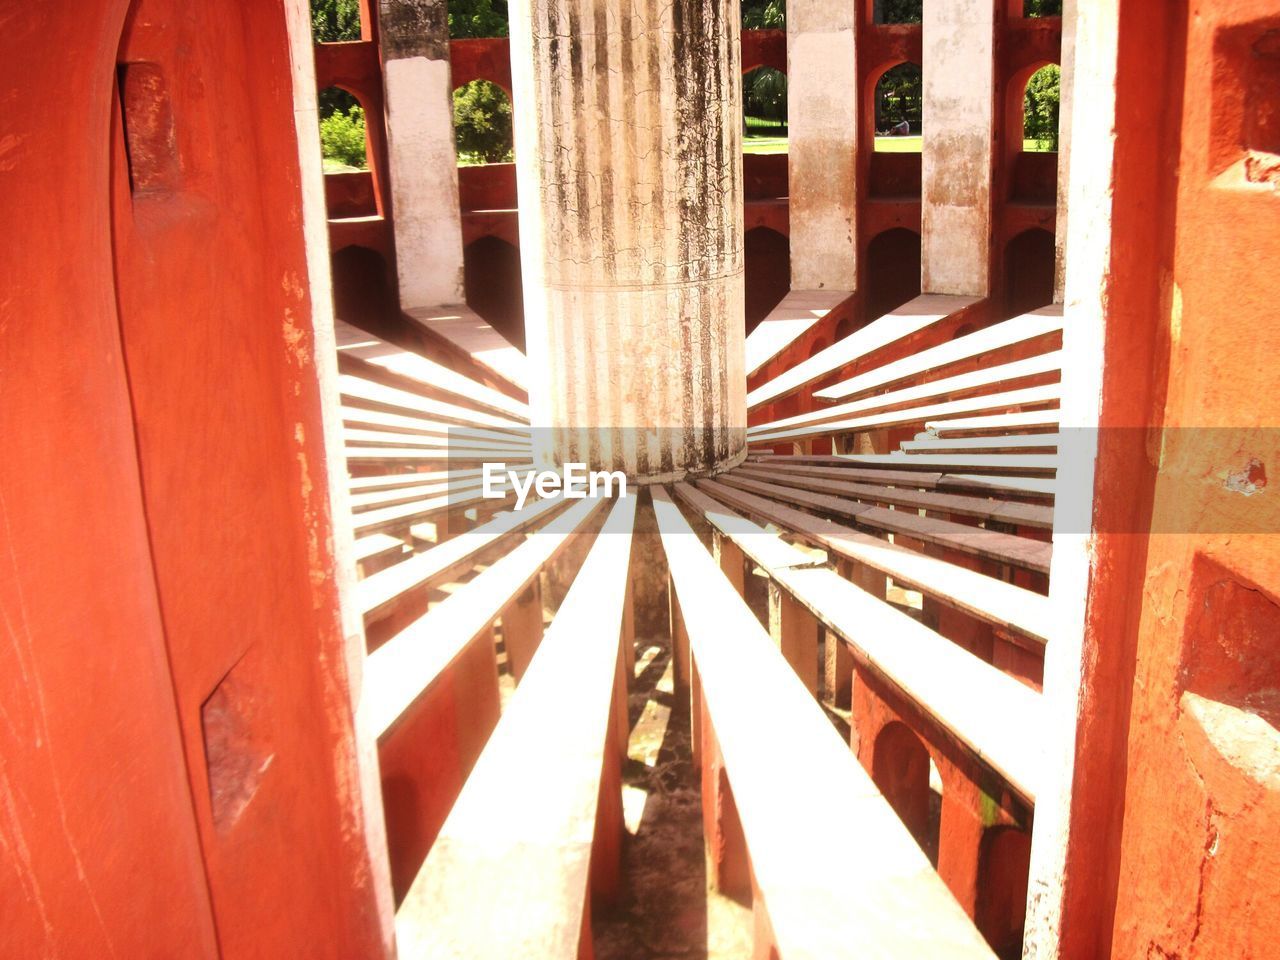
{"x":482,"y":123}
{"x":764,"y":14}
{"x":333,"y":21}
{"x":898,"y":11}
{"x":898,"y":97}
{"x":1042,"y":8}
{"x":477,"y":18}
{"x":764,"y":94}
{"x":1040,"y":107}
{"x":342,"y":138}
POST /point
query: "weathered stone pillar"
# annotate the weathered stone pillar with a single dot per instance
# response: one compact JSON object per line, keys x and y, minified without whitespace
{"x":629,"y":164}
{"x":1067,"y":61}
{"x":420,"y":146}
{"x":959,"y":117}
{"x":822,"y":117}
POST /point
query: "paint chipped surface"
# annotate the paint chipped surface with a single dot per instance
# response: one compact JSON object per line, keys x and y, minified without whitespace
{"x":1249,"y":480}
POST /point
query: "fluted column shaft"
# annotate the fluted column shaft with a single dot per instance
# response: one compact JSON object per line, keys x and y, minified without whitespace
{"x":629,"y":159}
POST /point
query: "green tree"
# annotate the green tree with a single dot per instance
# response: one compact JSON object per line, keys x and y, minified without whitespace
{"x":764,"y":94}
{"x":333,"y":21}
{"x":482,"y":123}
{"x":898,"y":11}
{"x":764,"y":14}
{"x":1040,"y":107}
{"x":898,"y":97}
{"x":477,"y":18}
{"x":1042,"y":8}
{"x":342,"y":138}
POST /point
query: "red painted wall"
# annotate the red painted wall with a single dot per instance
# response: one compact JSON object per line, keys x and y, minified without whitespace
{"x":88,"y":792}
{"x":172,"y":655}
{"x":1199,"y":872}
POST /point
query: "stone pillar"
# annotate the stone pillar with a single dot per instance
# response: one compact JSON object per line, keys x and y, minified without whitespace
{"x":822,"y":119}
{"x":629,"y":166}
{"x":959,"y":117}
{"x":420,"y":146}
{"x":1068,"y":67}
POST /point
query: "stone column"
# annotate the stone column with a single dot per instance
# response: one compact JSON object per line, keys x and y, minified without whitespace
{"x":629,"y":165}
{"x":420,"y":146}
{"x":959,"y":117}
{"x":822,"y":118}
{"x":1068,"y":67}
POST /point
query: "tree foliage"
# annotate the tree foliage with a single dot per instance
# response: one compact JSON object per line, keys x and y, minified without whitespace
{"x":898,"y":97}
{"x":1042,"y":8}
{"x":333,"y":21}
{"x":342,"y":138}
{"x":1040,"y":106}
{"x":899,"y":11}
{"x":482,"y":123}
{"x":764,"y":14}
{"x":477,"y":18}
{"x":764,"y":94}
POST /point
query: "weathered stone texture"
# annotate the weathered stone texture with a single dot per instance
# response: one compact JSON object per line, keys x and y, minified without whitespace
{"x":629,"y":148}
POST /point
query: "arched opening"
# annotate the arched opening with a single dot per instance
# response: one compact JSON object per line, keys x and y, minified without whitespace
{"x":491,"y":271}
{"x":1031,"y":118}
{"x":1028,"y":271}
{"x":891,"y":274}
{"x":482,"y":124}
{"x":898,"y":113}
{"x":764,"y":111}
{"x":344,"y":142}
{"x":363,"y":293}
{"x":897,"y":11}
{"x":1040,"y":102}
{"x":767,"y":267}
{"x":1004,"y":859}
{"x":900,"y":767}
{"x":1042,"y":8}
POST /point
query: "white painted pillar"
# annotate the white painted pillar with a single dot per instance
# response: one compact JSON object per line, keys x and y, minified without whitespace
{"x":420,"y":144}
{"x":959,"y":119}
{"x":629,"y":166}
{"x":1068,"y":67}
{"x":822,"y":111}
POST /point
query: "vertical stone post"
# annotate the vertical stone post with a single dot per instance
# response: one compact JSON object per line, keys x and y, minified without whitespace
{"x":795,"y":630}
{"x":420,"y":146}
{"x":1068,"y":68}
{"x":822,"y":123}
{"x":522,"y":629}
{"x":731,"y":560}
{"x":629,"y":168}
{"x":959,"y":118}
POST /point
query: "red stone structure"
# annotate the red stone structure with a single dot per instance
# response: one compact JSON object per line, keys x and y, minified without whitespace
{"x":969,"y":605}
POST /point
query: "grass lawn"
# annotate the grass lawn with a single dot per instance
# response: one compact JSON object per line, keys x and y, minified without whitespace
{"x":898,"y":144}
{"x":764,"y":136}
{"x":912,"y":145}
{"x":764,"y":144}
{"x":337,"y":166}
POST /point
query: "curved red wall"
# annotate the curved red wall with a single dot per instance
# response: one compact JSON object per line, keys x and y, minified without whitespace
{"x":179,"y":755}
